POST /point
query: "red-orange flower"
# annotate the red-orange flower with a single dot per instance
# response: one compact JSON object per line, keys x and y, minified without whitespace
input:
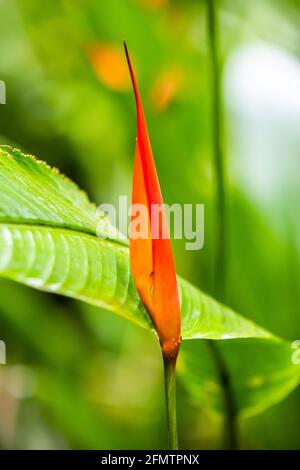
{"x":151,"y":258}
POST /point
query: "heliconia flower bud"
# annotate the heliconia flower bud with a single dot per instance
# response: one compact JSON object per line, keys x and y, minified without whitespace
{"x":151,"y":257}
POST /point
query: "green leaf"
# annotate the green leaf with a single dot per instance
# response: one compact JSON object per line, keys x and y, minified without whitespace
{"x":33,"y":192}
{"x":97,"y":271}
{"x":71,"y":263}
{"x":260,"y":373}
{"x":48,"y":240}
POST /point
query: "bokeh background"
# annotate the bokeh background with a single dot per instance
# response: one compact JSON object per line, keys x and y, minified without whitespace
{"x":80,"y":377}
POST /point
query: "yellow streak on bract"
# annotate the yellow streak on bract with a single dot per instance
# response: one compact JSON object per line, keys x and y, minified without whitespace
{"x":109,"y":65}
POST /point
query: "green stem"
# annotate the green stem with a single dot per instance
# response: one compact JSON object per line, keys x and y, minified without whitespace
{"x":220,"y":271}
{"x":230,"y":435}
{"x":170,"y":391}
{"x":221,"y":229}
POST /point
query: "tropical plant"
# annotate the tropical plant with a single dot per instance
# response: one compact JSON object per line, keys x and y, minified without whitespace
{"x":48,"y":240}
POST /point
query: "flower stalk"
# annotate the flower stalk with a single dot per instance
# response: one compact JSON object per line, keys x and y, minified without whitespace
{"x":170,"y":392}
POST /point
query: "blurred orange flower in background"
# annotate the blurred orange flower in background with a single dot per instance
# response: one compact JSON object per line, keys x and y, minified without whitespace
{"x":108,"y":63}
{"x":166,"y":88}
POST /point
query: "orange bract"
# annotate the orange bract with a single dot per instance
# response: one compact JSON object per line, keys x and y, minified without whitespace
{"x":151,"y":258}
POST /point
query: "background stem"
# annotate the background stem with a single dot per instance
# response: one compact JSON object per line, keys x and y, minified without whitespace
{"x":230,"y":438}
{"x":218,"y":153}
{"x":170,"y":391}
{"x":230,"y":434}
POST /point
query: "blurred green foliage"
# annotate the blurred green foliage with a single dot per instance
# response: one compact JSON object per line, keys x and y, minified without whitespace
{"x":79,"y":378}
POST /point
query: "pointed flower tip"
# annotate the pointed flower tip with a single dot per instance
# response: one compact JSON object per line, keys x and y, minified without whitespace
{"x":151,"y":257}
{"x":125,"y":49}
